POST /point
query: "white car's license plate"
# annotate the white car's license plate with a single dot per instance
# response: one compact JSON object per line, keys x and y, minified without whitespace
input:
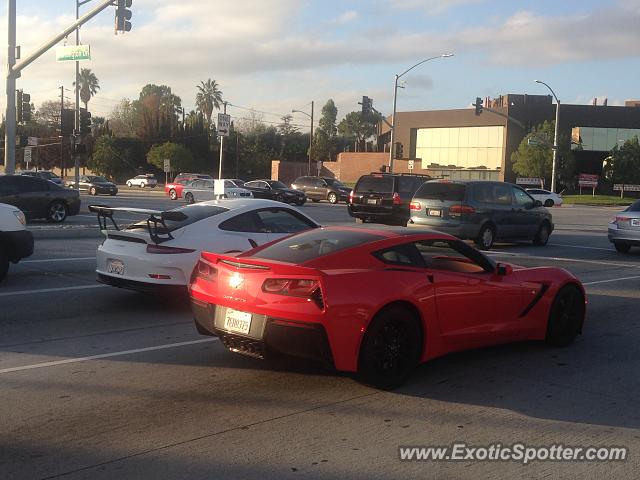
{"x":115,"y":266}
{"x":435,"y":212}
{"x":372,"y":201}
{"x":635,"y":222}
{"x":237,"y":322}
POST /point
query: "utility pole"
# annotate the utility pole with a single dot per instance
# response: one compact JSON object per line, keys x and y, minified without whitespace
{"x":76,"y":132}
{"x":221,"y":146}
{"x":10,"y":117}
{"x":310,"y":140}
{"x":62,"y":165}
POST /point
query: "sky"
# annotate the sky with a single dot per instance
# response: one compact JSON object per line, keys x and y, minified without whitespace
{"x":278,"y":55}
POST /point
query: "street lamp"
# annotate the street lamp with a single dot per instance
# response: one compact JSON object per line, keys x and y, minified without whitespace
{"x":555,"y":137}
{"x":395,"y":96}
{"x":310,"y":134}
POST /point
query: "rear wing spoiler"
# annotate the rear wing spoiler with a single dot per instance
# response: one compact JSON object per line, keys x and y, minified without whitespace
{"x":256,"y":264}
{"x":156,"y":226}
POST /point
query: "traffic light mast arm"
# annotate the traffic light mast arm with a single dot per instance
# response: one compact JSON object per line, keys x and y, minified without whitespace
{"x":381,"y":116}
{"x":19,"y":66}
{"x":511,"y":119}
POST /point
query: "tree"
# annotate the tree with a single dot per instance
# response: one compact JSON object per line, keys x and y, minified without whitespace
{"x":208,"y":97}
{"x":328,"y":118}
{"x":107,"y":159}
{"x":359,"y":127}
{"x":536,"y":160}
{"x":48,"y":114}
{"x":124,"y":119}
{"x":88,"y":84}
{"x":159,"y":109}
{"x":623,"y":166}
{"x":181,"y":157}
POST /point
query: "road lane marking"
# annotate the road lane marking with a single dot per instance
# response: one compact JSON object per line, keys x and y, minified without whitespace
{"x":580,"y":246}
{"x":50,"y":290}
{"x":103,"y":355}
{"x":612,"y":280}
{"x":47,"y":260}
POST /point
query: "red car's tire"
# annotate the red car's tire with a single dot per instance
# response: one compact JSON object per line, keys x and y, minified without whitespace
{"x":391,"y":348}
{"x":173,"y":195}
{"x":566,"y":316}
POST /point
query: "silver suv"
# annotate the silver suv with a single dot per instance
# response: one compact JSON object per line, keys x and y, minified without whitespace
{"x":482,"y":211}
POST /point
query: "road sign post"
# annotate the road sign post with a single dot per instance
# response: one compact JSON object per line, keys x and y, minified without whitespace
{"x":27,"y":156}
{"x":224,"y":125}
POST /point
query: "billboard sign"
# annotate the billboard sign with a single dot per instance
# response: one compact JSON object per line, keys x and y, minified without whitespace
{"x":588,"y":180}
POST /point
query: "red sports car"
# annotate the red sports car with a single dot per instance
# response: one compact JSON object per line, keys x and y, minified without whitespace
{"x":378,"y":302}
{"x":174,"y":189}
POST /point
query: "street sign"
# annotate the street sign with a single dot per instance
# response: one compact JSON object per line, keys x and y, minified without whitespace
{"x":218,"y":188}
{"x":73,"y":53}
{"x":27,"y":156}
{"x":626,"y":187}
{"x":410,"y":165}
{"x":224,"y":124}
{"x":529,"y":181}
{"x":588,"y":180}
{"x":33,"y":141}
{"x":167,"y":165}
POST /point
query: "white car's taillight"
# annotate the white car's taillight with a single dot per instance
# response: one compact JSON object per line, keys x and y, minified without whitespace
{"x":20,"y":216}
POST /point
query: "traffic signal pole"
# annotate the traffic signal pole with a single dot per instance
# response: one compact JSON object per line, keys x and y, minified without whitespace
{"x":76,"y":135}
{"x":14,"y":69}
{"x":393,"y":124}
{"x":10,"y":118}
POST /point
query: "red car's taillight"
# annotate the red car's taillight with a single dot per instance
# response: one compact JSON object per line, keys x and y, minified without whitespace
{"x":295,"y":287}
{"x":167,"y":250}
{"x":415,"y":206}
{"x":460,"y":209}
{"x":396,"y":199}
{"x":203,"y":270}
{"x":351,"y":196}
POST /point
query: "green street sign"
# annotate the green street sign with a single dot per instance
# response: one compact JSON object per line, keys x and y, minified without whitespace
{"x":73,"y":53}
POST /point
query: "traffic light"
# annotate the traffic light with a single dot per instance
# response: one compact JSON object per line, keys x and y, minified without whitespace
{"x":19,"y":106}
{"x":67,"y":121}
{"x":85,"y":121}
{"x":367,"y":104}
{"x":478,"y":105}
{"x":399,"y":151}
{"x":26,"y":107}
{"x":123,"y":15}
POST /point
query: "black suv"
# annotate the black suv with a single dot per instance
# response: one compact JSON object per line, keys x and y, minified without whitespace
{"x":481,"y":211}
{"x":322,"y":188}
{"x":384,"y":197}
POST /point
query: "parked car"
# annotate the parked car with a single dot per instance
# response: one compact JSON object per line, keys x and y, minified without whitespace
{"x":142,"y":181}
{"x":482,"y":211}
{"x":39,"y":198}
{"x":94,"y":185}
{"x":203,"y":190}
{"x":16,"y":242}
{"x":548,"y":199}
{"x":174,"y":189}
{"x":322,"y":188}
{"x":624,"y":230}
{"x":378,"y":302}
{"x":47,"y":175}
{"x":384,"y":197}
{"x":162,"y":251}
{"x":275,"y":190}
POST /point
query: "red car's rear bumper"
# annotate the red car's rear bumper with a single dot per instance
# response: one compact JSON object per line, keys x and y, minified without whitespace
{"x":267,"y":335}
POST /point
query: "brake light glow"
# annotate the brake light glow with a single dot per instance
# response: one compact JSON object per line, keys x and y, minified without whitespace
{"x":351,"y":196}
{"x":460,"y":209}
{"x":164,"y":250}
{"x":415,"y":206}
{"x":396,"y":199}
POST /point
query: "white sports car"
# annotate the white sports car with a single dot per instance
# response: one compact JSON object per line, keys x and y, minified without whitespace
{"x":163,"y":250}
{"x":548,"y":199}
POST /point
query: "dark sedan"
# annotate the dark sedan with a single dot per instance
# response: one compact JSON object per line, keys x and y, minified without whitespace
{"x":275,"y":190}
{"x":39,"y":198}
{"x":94,"y":185}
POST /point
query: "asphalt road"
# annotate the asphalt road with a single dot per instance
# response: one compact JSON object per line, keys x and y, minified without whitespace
{"x":97,"y":382}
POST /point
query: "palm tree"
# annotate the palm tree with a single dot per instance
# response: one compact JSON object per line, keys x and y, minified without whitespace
{"x":208,"y":97}
{"x":88,"y":85}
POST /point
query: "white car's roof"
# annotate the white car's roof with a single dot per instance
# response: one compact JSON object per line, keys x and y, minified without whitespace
{"x":244,"y":202}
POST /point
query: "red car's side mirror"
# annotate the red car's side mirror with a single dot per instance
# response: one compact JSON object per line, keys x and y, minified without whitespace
{"x":503,"y":269}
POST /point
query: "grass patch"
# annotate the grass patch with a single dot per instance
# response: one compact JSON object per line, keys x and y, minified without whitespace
{"x":611,"y":200}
